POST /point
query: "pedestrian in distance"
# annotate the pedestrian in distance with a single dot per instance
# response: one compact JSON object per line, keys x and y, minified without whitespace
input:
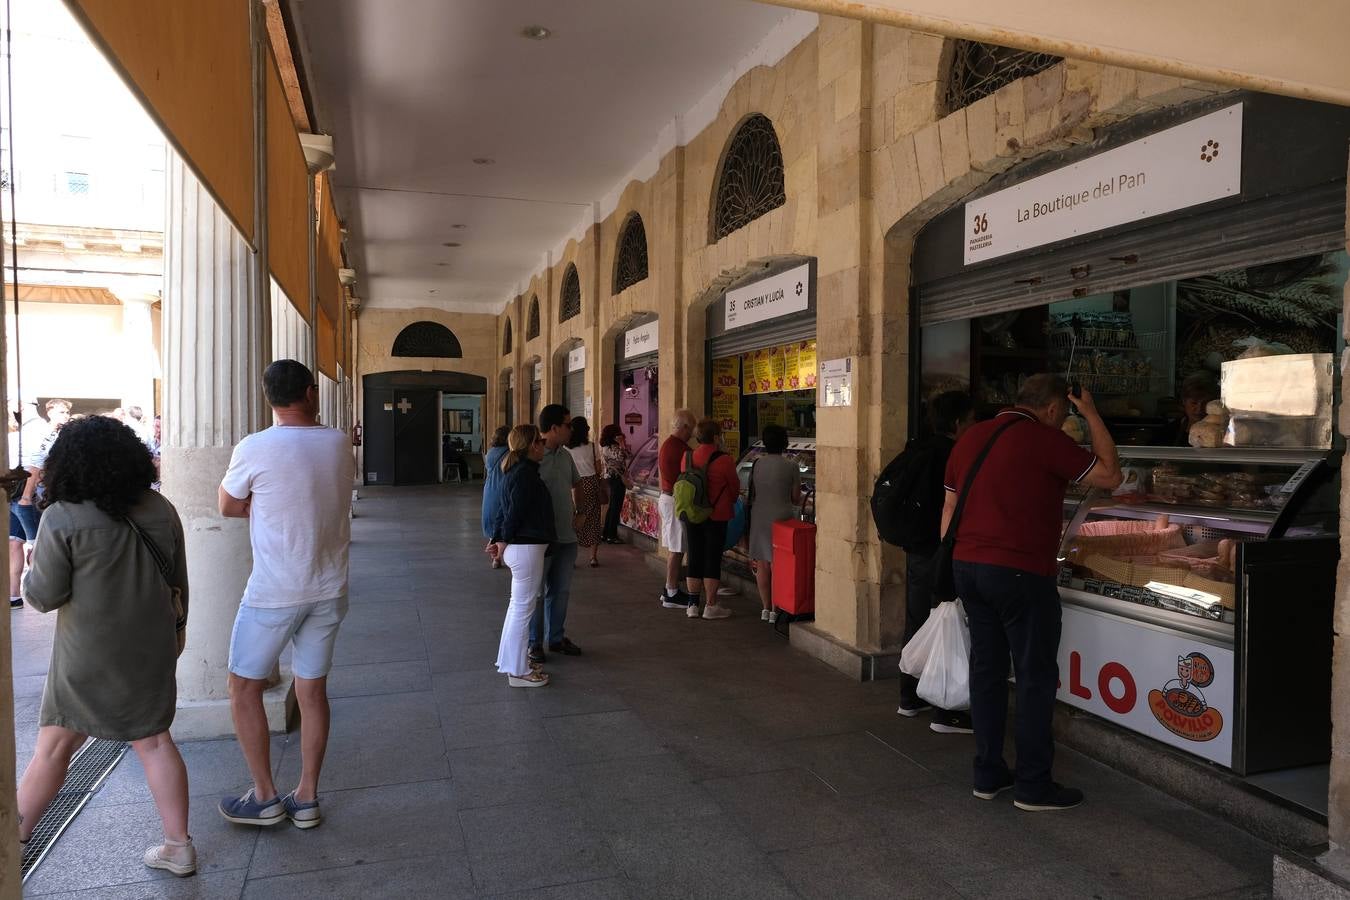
{"x":706,"y":541}
{"x":616,"y":456}
{"x":492,"y":480}
{"x":1004,"y":567}
{"x":559,"y":472}
{"x":591,"y":489}
{"x":669,"y":459}
{"x":522,"y":530}
{"x":950,"y":415}
{"x":293,"y":483}
{"x":109,"y":560}
{"x":775,"y":491}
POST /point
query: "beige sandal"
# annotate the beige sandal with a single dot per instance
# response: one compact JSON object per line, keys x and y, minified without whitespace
{"x":536,"y":678}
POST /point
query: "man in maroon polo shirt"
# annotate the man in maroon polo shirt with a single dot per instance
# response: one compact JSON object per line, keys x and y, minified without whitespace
{"x":1004,"y":565}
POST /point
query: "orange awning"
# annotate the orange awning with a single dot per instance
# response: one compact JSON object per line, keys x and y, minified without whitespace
{"x":287,"y":197}
{"x":60,"y":293}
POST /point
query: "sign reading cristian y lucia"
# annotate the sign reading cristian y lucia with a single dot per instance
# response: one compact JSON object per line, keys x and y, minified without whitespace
{"x":1191,"y":163}
{"x":769,"y":298}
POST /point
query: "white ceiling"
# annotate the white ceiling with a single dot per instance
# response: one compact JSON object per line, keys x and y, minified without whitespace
{"x":414,"y":90}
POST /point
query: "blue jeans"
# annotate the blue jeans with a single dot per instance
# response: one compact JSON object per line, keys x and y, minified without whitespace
{"x":28,"y":517}
{"x":558,"y":568}
{"x":1015,"y":613}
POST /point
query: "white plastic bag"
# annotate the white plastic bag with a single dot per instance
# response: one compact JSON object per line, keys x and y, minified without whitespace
{"x":945,"y":681}
{"x":915,"y":655}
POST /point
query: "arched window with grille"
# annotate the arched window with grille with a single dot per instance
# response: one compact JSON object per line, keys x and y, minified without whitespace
{"x":427,"y":339}
{"x":979,"y":70}
{"x":569,"y":299}
{"x":506,"y":338}
{"x":750,"y":181}
{"x":532,"y":327}
{"x":630,"y":261}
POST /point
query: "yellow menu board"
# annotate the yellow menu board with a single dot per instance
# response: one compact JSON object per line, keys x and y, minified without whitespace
{"x":726,"y":393}
{"x":763,"y":372}
{"x":772,"y":411}
{"x":777,"y":381}
{"x":748,"y":367}
{"x":806,"y":363}
{"x":731,"y":442}
{"x":791,"y":367}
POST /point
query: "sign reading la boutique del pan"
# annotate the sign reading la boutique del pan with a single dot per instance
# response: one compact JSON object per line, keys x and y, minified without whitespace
{"x":778,"y":295}
{"x":1186,"y":165}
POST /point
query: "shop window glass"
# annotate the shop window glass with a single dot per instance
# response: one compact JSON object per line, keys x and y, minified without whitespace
{"x":506,"y":338}
{"x":979,"y":70}
{"x":630,"y":263}
{"x":569,"y":300}
{"x":532,"y":327}
{"x":751,"y":182}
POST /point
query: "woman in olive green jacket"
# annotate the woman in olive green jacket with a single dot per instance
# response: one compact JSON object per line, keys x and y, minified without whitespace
{"x":116,"y":646}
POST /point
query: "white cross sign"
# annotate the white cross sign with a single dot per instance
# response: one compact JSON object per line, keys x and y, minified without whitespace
{"x":404,"y":406}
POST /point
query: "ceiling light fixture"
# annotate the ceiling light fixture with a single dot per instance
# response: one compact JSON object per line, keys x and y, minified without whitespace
{"x":483,"y":161}
{"x":459,"y":225}
{"x":442,"y":264}
{"x":536,"y":32}
{"x":450,"y":244}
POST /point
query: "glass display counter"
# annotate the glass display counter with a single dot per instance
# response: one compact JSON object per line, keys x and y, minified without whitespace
{"x":640,"y":504}
{"x":1197,"y":592}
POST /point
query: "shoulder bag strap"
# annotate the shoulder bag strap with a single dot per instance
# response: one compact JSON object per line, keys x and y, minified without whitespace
{"x":970,"y":478}
{"x":163,"y":564}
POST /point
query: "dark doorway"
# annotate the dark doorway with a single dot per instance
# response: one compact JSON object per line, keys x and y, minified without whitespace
{"x":402,"y":418}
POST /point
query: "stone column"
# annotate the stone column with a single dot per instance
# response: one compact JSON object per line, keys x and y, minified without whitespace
{"x":140,"y":362}
{"x":215,"y":323}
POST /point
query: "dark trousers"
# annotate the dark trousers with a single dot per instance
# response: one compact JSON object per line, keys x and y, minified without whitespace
{"x":1012,"y":613}
{"x":616,"y":491}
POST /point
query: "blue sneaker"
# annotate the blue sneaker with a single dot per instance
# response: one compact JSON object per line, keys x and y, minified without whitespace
{"x":246,"y":810}
{"x":301,"y":813}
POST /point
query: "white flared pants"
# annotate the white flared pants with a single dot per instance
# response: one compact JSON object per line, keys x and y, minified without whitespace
{"x":526,"y":562}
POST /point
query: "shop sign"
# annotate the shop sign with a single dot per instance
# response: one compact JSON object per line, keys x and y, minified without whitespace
{"x":538,"y":371}
{"x":1174,"y":688}
{"x":836,"y":382}
{"x":778,"y":295}
{"x":1186,"y":165}
{"x":640,"y":340}
{"x":576,"y":359}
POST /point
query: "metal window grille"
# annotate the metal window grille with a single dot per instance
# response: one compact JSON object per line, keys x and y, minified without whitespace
{"x":752,"y":180}
{"x":506,"y":338}
{"x":570,"y":300}
{"x":427,"y":339}
{"x":532,"y":328}
{"x":630,"y":264}
{"x":979,"y":70}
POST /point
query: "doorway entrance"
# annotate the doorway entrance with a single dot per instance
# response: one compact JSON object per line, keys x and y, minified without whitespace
{"x":404,"y":423}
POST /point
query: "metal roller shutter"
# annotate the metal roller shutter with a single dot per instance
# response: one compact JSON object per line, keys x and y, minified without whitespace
{"x":574,"y":392}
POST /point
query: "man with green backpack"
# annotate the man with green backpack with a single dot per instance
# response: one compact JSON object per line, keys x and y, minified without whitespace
{"x":705,"y":501}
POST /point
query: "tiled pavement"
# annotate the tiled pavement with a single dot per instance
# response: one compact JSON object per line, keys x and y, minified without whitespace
{"x":676,"y":758}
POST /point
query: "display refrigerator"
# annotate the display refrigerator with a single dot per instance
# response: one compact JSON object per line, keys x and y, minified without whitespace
{"x":639,"y":511}
{"x":1197,"y":602}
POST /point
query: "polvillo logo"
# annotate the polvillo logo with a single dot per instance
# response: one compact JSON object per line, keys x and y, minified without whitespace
{"x":1181,"y":707}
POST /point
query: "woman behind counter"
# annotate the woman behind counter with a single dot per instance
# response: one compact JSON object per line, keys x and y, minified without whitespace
{"x":521,"y":532}
{"x":116,"y":648}
{"x":492,"y":481}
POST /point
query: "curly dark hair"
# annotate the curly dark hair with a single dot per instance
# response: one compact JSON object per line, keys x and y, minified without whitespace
{"x":610,"y":435}
{"x":101,"y":460}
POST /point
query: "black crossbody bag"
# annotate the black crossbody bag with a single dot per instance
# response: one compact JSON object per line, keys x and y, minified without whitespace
{"x":175,"y":593}
{"x":944,"y":580}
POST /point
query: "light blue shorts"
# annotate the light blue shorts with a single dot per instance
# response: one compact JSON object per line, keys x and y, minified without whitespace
{"x":260,"y":634}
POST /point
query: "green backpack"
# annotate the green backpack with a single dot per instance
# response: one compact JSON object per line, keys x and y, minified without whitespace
{"x":691,"y":490}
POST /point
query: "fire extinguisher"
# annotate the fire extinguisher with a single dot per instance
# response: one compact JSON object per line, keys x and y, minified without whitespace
{"x":356,"y":435}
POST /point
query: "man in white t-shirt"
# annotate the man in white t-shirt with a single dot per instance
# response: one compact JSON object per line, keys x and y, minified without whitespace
{"x":293,"y":483}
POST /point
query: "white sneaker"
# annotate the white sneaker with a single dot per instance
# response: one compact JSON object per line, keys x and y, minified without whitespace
{"x":171,"y":856}
{"x":773,"y":616}
{"x":715,"y":611}
{"x":727,"y":591}
{"x":691,"y":610}
{"x":764,"y":615}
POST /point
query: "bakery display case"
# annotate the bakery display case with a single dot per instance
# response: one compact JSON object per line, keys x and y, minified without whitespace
{"x":640,"y":511}
{"x":1214,"y":568}
{"x":802,"y":451}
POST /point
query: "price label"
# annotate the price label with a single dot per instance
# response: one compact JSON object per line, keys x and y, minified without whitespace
{"x":1300,"y":476}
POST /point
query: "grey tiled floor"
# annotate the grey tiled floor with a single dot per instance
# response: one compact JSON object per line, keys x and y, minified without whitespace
{"x":676,"y":758}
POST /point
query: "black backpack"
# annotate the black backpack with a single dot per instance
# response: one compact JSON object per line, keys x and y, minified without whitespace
{"x":907,"y":499}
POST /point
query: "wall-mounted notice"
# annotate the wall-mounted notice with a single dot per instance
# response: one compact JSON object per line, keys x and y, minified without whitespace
{"x":836,"y":382}
{"x":576,"y":359}
{"x":1191,"y":163}
{"x":769,"y":298}
{"x":538,"y":371}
